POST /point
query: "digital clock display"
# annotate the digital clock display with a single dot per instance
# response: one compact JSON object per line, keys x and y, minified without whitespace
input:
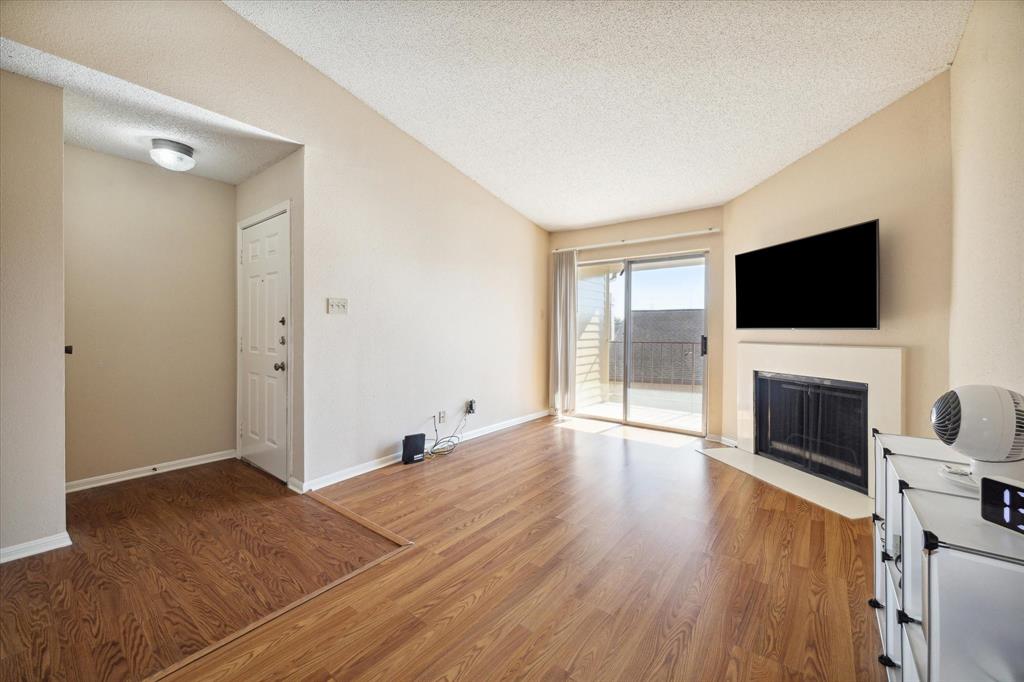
{"x":1002,"y":503}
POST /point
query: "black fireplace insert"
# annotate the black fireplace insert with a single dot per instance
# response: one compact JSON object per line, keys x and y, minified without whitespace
{"x":817,"y":425}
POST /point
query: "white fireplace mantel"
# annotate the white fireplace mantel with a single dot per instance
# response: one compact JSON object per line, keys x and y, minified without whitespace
{"x":880,"y":367}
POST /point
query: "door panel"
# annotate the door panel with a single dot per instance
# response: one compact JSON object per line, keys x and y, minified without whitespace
{"x":271,"y":394}
{"x":600,"y":296}
{"x":271,"y":324}
{"x":252,"y":424}
{"x":263,"y":327}
{"x":666,"y":317}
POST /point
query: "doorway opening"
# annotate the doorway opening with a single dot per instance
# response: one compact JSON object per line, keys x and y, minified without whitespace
{"x":641,"y":344}
{"x":153,"y":189}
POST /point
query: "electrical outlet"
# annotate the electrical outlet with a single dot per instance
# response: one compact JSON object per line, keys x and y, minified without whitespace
{"x":441,"y":417}
{"x":337,"y":306}
{"x":471,"y":406}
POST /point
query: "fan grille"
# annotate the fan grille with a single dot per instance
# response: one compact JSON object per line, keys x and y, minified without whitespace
{"x":1017,"y":447}
{"x":946,"y":418}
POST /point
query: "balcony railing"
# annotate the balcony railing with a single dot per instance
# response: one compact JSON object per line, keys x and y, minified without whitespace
{"x":659,"y":362}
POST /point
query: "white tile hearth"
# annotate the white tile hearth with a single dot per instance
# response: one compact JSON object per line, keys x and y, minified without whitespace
{"x":844,"y":501}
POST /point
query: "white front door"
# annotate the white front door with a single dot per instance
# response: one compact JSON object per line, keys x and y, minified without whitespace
{"x":263,"y":296}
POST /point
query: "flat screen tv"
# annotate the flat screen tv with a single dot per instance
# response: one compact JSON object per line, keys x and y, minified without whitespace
{"x":828,"y":281}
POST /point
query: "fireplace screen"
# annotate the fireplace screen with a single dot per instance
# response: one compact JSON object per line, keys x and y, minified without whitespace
{"x":817,"y":425}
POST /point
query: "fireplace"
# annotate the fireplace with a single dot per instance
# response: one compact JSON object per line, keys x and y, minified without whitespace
{"x":817,"y":425}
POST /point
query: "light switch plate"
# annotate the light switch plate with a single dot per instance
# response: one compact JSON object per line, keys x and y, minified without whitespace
{"x":337,"y":306}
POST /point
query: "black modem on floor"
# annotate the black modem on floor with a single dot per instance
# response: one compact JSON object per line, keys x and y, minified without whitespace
{"x":412,"y":448}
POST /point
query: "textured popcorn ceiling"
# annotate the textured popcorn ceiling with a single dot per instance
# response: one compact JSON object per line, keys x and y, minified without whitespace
{"x":586,"y":113}
{"x":109,"y":115}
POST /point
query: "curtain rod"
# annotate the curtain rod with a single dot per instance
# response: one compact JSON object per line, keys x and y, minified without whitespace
{"x":641,"y":240}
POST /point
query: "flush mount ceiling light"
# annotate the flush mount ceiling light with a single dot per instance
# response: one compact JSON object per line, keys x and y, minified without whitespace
{"x":172,"y":155}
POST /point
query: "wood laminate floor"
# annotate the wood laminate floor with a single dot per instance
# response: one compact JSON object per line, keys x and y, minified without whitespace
{"x":544,"y":552}
{"x":164,"y":566}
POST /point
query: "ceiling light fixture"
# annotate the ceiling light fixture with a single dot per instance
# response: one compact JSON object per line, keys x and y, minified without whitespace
{"x":172,"y":155}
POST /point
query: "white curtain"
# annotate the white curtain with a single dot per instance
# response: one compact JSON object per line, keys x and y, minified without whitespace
{"x":563,"y":333}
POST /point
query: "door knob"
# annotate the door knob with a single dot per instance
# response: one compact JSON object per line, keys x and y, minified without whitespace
{"x":279,"y":366}
{"x":281,"y":321}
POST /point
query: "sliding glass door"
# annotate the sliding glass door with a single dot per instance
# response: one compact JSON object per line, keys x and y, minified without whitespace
{"x":665,"y":379}
{"x":641,"y":344}
{"x":600,"y":311}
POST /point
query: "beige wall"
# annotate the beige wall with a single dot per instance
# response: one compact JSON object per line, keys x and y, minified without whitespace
{"x":447,"y":286}
{"x":986,"y":331}
{"x":279,"y":183}
{"x":658,"y":227}
{"x":894,"y":166}
{"x":150,"y":310}
{"x":898,"y":166}
{"x":31,"y":311}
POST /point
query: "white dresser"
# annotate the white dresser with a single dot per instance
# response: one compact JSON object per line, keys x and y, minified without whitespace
{"x":949,"y":587}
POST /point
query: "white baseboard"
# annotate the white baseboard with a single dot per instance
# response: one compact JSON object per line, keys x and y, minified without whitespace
{"x":116,"y":477}
{"x":344,"y":474}
{"x":715,"y":438}
{"x":380,"y":462}
{"x":515,"y":421}
{"x":31,"y":547}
